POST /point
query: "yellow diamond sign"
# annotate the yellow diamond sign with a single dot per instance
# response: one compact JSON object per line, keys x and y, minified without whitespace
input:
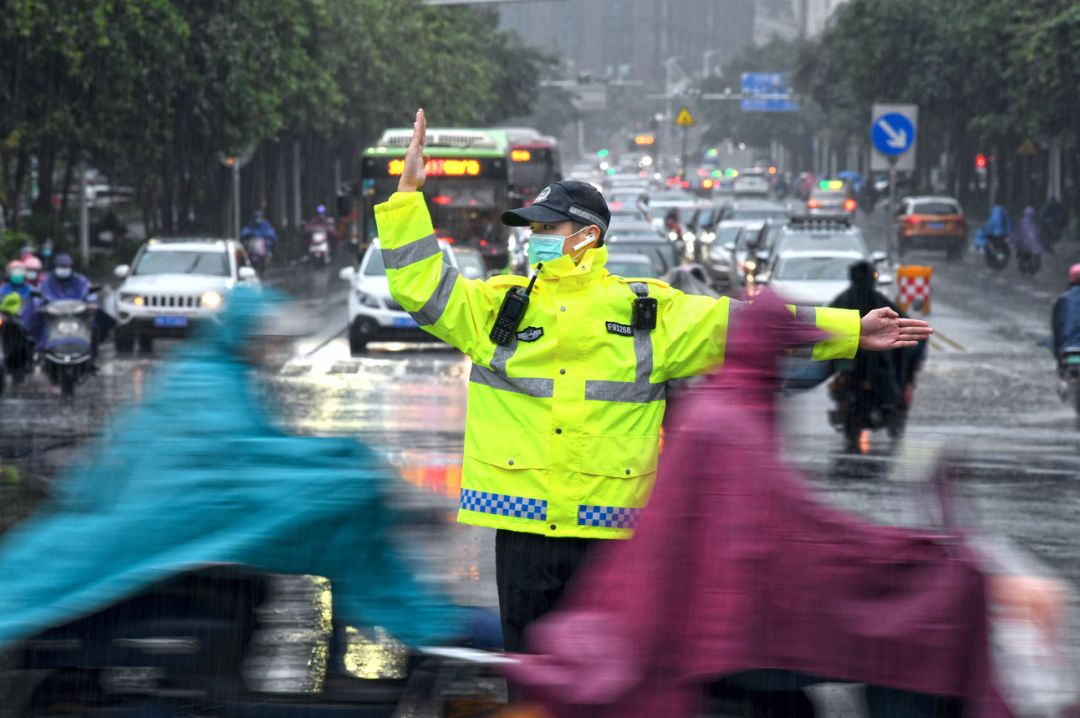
{"x":684,"y":118}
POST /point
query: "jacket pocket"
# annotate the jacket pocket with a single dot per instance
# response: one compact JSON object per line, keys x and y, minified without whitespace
{"x":508,"y":447}
{"x":624,"y":457}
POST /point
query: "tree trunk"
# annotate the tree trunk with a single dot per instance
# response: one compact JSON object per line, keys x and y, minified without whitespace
{"x":46,"y":164}
{"x":65,"y":189}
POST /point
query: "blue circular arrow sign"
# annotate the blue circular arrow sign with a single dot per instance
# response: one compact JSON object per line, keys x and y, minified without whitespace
{"x":892,"y":134}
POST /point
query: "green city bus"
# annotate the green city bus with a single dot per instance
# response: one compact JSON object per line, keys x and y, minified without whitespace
{"x":467,"y":185}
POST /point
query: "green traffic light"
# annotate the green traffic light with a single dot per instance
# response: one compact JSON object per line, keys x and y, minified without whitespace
{"x":711,"y":152}
{"x":602,"y":153}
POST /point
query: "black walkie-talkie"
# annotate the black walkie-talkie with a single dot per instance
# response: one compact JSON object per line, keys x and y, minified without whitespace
{"x":512,"y":310}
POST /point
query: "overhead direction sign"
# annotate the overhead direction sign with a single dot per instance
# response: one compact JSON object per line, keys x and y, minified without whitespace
{"x":893,"y":130}
{"x":684,"y":118}
{"x":767,"y":92}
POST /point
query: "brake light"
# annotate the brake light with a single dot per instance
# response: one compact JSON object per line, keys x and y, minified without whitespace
{"x":448,"y":240}
{"x":441,"y":199}
{"x":702,"y":172}
{"x":849,"y":204}
{"x":912,"y":220}
{"x":483,"y":242}
{"x":615,"y":205}
{"x":707,"y":184}
{"x":685,"y":184}
{"x":813,"y":204}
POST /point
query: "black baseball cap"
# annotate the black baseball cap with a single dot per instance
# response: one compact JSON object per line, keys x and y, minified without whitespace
{"x":562,"y":201}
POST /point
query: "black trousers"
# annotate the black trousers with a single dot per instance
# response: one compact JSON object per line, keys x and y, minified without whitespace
{"x":531,"y":573}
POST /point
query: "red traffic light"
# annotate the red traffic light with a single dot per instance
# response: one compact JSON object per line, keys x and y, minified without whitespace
{"x":980,"y":162}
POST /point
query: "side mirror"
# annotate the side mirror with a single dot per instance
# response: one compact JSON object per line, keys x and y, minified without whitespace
{"x":121,"y":271}
{"x":879,"y":257}
{"x":884,"y":280}
{"x":246,"y":273}
{"x":347,"y":274}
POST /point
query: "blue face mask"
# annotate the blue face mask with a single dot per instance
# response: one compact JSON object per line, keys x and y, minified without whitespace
{"x":545,"y":247}
{"x":548,"y":247}
{"x":17,"y":279}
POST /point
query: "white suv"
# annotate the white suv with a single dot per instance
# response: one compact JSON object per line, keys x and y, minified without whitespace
{"x":174,"y":284}
{"x":373,"y":314}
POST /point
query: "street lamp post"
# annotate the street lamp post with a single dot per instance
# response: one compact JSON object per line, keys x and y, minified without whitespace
{"x":706,"y":68}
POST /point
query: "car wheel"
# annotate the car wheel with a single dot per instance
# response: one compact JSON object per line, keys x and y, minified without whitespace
{"x":358,"y":338}
{"x":146,"y":345}
{"x":124,"y":342}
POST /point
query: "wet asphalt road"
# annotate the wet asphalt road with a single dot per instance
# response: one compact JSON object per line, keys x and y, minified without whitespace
{"x":987,"y":391}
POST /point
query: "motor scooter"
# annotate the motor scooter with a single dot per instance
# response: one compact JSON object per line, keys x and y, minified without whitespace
{"x":997,"y":252}
{"x":858,"y":407}
{"x":71,"y":329}
{"x":258,"y":249}
{"x":318,"y":247}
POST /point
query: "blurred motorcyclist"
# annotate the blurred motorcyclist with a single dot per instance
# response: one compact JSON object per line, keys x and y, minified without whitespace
{"x":16,"y":282}
{"x":65,"y":283}
{"x":258,"y":226}
{"x":1065,"y":317}
{"x":34,"y":270}
{"x":999,"y":224}
{"x":1052,"y":220}
{"x":1027,"y":237}
{"x":324,"y":222}
{"x":891,"y":373}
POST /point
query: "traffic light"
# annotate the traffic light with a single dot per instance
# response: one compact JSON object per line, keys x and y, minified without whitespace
{"x":602,"y":154}
{"x":980,"y":161}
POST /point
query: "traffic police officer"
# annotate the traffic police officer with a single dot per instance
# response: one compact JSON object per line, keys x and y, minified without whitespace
{"x":567,"y":390}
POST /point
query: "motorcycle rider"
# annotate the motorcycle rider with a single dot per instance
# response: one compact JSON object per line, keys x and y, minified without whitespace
{"x":16,"y":300}
{"x":890,"y":373}
{"x":324,"y":222}
{"x":65,"y":283}
{"x":259,"y":227}
{"x":1065,"y":317}
{"x":16,"y":282}
{"x":1052,"y":220}
{"x":1027,"y":238}
{"x":999,"y":224}
{"x":34,"y":270}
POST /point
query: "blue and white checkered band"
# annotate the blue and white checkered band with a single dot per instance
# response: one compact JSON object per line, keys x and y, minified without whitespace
{"x":612,"y":517}
{"x":517,"y":506}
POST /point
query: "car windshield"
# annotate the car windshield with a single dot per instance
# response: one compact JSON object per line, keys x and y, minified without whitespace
{"x":630,"y":265}
{"x":727,"y":233}
{"x":829,"y":268}
{"x":215,"y":264}
{"x":935,"y":208}
{"x":765,"y":214}
{"x":471,"y":265}
{"x":376,"y":268}
{"x":824,"y":242}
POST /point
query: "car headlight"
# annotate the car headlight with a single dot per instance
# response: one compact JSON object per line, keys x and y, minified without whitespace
{"x":673,"y":236}
{"x":368,"y":300}
{"x":689,"y":236}
{"x":211,"y":300}
{"x":132,"y":298}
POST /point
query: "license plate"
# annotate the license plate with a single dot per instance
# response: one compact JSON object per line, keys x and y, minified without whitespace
{"x":404,"y":322}
{"x":936,"y":225}
{"x":1072,"y":359}
{"x":170,"y":322}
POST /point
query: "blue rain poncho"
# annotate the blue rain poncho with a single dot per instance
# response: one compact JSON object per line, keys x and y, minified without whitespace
{"x":198,"y":475}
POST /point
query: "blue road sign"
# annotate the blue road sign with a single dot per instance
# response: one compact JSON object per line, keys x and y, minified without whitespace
{"x":892,"y":134}
{"x":767,"y":92}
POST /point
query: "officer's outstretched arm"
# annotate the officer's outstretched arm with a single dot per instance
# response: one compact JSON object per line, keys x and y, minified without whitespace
{"x":692,"y":330}
{"x":457,"y":310}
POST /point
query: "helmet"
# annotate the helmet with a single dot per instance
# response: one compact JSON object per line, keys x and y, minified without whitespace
{"x":15,"y":265}
{"x":64,"y":260}
{"x":1074,"y":274}
{"x":32,"y":263}
{"x":257,"y":216}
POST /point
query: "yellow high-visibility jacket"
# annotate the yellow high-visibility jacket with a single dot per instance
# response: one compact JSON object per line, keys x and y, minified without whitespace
{"x":563,"y":424}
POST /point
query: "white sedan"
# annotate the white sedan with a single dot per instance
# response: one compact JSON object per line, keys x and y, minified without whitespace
{"x":811,"y":278}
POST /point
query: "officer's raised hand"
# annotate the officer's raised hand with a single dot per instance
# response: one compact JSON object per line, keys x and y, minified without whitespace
{"x":884,"y":329}
{"x":413,"y":176}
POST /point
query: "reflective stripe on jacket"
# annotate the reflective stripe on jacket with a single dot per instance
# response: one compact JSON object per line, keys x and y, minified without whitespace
{"x":563,"y":424}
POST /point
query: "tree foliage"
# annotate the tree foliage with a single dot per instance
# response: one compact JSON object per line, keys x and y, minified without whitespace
{"x":155,"y":91}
